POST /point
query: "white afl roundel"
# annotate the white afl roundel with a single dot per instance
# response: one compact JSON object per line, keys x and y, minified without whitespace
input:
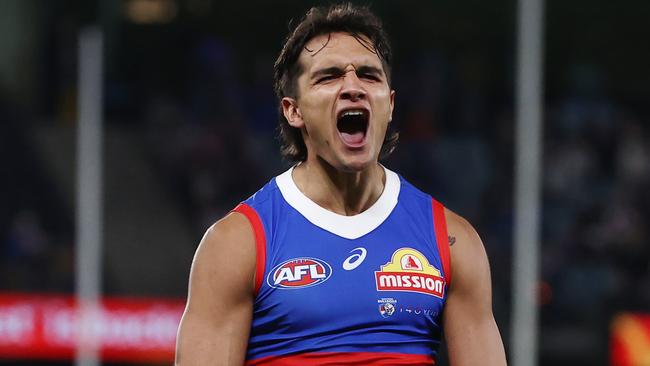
{"x":299,"y":273}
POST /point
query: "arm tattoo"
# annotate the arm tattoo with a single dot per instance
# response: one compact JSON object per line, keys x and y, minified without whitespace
{"x":452,"y":240}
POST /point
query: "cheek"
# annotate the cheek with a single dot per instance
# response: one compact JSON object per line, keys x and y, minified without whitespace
{"x":382,"y":100}
{"x":316,"y":112}
{"x":317,"y":126}
{"x":381,"y":111}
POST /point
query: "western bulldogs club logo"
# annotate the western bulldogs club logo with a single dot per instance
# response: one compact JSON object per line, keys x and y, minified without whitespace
{"x":386,"y":306}
{"x":299,"y":273}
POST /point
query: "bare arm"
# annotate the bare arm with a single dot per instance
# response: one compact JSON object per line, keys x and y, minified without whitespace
{"x":471,"y":333}
{"x":215,"y":327}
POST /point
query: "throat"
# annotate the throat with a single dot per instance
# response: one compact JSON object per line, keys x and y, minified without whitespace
{"x":343,"y":193}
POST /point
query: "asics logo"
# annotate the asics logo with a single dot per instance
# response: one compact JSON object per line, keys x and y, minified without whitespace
{"x":355,"y":259}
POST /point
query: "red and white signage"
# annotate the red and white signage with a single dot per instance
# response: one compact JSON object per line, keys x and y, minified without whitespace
{"x":126,"y":329}
{"x":410,"y":271}
{"x":630,"y":340}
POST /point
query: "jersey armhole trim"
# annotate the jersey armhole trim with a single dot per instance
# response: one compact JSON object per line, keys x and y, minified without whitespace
{"x":442,"y":238}
{"x":260,"y":242}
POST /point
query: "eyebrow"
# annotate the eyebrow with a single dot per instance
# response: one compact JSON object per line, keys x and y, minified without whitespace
{"x":335,"y":70}
{"x":367,"y":69}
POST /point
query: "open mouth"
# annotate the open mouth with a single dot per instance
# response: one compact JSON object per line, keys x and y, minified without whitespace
{"x":353,"y":126}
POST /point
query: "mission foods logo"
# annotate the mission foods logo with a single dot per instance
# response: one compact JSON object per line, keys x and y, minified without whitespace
{"x":410,"y":271}
{"x":299,"y":273}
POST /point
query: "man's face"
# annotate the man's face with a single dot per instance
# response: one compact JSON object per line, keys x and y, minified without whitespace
{"x":344,"y":102}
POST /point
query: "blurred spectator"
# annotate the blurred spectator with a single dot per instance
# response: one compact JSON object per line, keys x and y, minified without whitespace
{"x":26,"y":252}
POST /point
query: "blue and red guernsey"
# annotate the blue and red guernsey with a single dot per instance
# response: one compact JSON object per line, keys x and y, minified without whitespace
{"x":367,"y":289}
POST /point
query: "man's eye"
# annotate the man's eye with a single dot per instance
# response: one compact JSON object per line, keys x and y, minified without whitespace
{"x":325,"y":78}
{"x":372,"y":77}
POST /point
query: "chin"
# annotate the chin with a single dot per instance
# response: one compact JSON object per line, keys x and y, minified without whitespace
{"x":356,"y":164}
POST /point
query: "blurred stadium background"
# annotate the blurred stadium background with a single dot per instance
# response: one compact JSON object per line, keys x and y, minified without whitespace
{"x":190,"y":117}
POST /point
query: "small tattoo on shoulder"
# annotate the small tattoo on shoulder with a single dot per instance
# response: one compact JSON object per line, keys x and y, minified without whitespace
{"x":452,"y":240}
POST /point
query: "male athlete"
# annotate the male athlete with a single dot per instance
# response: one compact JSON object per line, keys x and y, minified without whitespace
{"x":338,"y":261}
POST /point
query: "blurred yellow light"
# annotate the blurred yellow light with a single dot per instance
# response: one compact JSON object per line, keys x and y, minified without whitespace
{"x":151,"y":11}
{"x":630,"y":340}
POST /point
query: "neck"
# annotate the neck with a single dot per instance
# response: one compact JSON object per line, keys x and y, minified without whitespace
{"x":345,"y":193}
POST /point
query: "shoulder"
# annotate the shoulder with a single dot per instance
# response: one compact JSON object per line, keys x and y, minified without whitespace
{"x":231,"y":233}
{"x":408,"y":189}
{"x":417,"y":202}
{"x":461,"y":229}
{"x":469,"y":262}
{"x":232,"y":228}
{"x":227,"y":250}
{"x":265,"y":194}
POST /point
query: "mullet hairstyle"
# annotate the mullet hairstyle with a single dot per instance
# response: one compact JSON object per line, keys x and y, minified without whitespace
{"x":361,"y":24}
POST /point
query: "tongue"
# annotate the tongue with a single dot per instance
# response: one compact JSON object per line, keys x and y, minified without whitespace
{"x":352,"y":138}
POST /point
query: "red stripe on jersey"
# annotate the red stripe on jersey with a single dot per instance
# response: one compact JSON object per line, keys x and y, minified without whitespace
{"x":440,"y":227}
{"x":260,"y":242}
{"x":344,"y":358}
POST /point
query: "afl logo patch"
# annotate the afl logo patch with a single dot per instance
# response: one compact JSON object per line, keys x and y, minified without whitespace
{"x":299,"y":273}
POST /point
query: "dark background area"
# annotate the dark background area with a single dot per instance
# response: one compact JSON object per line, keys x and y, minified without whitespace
{"x":188,"y":99}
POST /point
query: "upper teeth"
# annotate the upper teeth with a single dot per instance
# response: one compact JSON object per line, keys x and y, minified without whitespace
{"x":352,"y":113}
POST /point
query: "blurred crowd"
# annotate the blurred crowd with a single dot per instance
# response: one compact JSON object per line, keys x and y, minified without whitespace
{"x":221,"y":145}
{"x":36,"y":229}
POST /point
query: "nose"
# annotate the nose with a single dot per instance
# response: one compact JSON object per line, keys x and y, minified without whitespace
{"x":352,"y":89}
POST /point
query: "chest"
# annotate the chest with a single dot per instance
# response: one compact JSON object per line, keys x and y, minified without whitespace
{"x":386,"y":281}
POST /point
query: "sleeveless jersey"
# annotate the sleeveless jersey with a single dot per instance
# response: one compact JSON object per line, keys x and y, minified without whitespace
{"x":367,"y":289}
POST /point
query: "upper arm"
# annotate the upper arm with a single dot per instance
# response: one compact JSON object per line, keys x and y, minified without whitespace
{"x":471,"y":333}
{"x":217,"y":319}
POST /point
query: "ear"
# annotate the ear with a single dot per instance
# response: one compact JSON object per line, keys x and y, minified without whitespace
{"x":291,"y":112}
{"x":392,"y":105}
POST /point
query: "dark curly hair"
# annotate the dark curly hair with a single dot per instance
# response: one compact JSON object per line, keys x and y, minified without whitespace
{"x":357,"y":21}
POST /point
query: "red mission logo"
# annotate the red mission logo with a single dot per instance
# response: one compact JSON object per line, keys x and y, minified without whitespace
{"x":299,"y":273}
{"x":410,"y":271}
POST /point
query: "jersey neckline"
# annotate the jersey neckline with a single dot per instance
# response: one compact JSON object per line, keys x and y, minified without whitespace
{"x":349,"y":227}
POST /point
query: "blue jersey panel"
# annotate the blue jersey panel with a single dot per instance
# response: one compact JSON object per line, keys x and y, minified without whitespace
{"x":381,"y":292}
